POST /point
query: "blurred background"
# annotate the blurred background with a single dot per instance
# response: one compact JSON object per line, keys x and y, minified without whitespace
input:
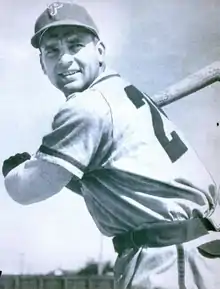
{"x":152,"y":43}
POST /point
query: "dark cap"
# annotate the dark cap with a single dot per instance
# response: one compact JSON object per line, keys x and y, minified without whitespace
{"x":62,"y":14}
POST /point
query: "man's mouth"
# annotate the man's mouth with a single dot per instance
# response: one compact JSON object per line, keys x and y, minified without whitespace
{"x":68,"y":73}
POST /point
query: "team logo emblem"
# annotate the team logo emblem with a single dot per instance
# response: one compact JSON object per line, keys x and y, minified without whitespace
{"x":53,"y":8}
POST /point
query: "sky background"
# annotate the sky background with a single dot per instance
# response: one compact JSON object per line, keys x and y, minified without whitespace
{"x":152,"y":43}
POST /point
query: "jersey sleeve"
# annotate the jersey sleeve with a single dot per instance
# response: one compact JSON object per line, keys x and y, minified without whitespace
{"x":81,"y":134}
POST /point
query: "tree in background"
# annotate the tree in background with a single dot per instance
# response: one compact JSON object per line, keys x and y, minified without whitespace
{"x":92,"y":268}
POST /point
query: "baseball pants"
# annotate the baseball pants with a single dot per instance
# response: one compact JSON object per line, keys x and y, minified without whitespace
{"x":187,"y":266}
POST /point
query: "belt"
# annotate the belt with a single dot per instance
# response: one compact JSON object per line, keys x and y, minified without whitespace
{"x":162,"y":234}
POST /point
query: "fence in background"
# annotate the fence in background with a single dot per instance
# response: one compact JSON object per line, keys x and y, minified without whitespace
{"x":56,"y":282}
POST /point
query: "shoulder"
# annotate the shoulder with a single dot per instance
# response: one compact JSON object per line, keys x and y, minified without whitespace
{"x":88,"y":105}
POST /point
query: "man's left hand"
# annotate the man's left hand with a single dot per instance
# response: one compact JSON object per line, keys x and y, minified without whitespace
{"x":14,"y":161}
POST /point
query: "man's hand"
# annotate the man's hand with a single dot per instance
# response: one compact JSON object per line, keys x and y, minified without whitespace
{"x":13,"y":162}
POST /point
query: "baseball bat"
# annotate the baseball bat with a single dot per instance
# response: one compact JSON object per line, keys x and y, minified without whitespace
{"x":189,"y":85}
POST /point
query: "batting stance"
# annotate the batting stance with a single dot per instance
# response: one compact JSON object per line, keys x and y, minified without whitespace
{"x":142,"y":183}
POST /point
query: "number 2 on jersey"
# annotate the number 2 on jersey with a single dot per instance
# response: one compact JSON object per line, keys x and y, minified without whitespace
{"x":174,"y":148}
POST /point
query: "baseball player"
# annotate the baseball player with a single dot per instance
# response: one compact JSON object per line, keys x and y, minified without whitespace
{"x":143,"y":184}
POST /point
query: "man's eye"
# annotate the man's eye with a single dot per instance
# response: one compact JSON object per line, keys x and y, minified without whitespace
{"x":75,"y":47}
{"x":51,"y":51}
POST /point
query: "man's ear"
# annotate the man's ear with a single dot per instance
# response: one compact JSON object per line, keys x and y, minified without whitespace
{"x":101,"y":51}
{"x":42,"y":64}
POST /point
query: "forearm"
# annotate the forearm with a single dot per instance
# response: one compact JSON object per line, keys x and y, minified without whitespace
{"x":35,"y":180}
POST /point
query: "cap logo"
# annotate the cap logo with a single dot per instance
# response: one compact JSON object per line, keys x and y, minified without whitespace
{"x":53,"y":8}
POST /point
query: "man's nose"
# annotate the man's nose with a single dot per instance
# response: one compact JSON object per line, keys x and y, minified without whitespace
{"x":66,"y":60}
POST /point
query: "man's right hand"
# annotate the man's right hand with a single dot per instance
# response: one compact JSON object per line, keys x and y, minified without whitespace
{"x":13,"y":162}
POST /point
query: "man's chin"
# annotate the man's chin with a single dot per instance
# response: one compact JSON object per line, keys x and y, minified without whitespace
{"x":70,"y":88}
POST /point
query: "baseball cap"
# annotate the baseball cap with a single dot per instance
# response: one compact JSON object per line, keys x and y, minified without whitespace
{"x":61,"y":14}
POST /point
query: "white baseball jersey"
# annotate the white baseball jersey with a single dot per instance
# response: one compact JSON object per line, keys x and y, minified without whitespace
{"x":127,"y":159}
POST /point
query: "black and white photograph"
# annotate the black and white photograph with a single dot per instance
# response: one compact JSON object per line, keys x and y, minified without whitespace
{"x":110,"y":144}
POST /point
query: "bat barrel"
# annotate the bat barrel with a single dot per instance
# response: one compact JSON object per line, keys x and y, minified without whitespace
{"x":189,"y":85}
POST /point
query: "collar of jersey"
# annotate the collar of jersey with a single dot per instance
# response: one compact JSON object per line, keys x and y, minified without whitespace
{"x":107,"y":73}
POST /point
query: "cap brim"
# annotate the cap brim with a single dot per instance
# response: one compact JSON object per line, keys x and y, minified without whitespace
{"x":35,"y":39}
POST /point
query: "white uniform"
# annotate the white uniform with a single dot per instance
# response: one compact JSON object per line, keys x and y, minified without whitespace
{"x":131,"y":165}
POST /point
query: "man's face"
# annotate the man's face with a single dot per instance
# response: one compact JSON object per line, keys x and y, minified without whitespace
{"x":71,"y":58}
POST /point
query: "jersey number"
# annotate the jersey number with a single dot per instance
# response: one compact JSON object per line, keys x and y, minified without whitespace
{"x":174,"y":148}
